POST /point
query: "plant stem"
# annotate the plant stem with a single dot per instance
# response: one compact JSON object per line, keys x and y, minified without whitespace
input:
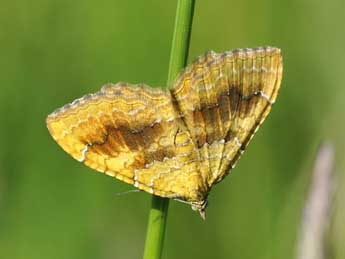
{"x":178,"y":58}
{"x":156,"y":228}
{"x":180,"y":43}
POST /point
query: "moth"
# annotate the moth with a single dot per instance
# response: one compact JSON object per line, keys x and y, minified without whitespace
{"x":176,"y":142}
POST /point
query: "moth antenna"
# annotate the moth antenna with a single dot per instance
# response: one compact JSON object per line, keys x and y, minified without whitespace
{"x":127,"y":192}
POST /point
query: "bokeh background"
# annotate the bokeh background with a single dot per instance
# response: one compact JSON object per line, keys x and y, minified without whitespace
{"x":52,"y":52}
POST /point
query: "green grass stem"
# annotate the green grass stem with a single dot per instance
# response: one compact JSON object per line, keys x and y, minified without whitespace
{"x":178,"y":58}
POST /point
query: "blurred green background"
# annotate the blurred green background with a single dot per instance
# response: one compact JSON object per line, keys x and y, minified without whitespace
{"x":53,"y":52}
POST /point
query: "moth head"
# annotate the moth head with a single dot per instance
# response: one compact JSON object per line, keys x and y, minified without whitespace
{"x":201,"y":207}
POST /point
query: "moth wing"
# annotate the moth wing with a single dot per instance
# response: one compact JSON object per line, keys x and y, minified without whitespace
{"x":223,"y":99}
{"x":133,"y":134}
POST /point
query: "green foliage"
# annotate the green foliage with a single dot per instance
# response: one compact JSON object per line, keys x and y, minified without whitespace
{"x":55,"y":51}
